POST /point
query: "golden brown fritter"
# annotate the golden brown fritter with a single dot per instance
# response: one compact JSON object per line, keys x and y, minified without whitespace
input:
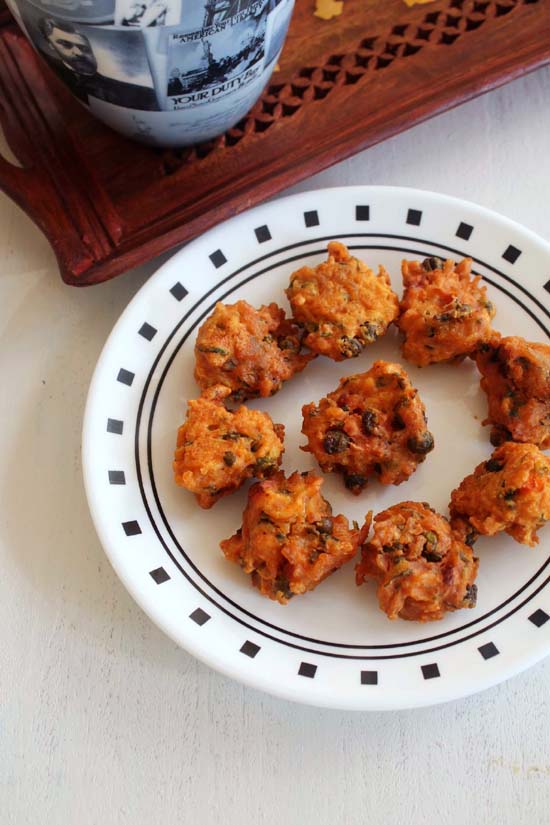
{"x":373,"y":424}
{"x":423,"y":570}
{"x":290,"y":541}
{"x":343,"y":305}
{"x":516,"y":378}
{"x":510,"y":492}
{"x":251,"y":351}
{"x":445,"y":314}
{"x":217,"y":450}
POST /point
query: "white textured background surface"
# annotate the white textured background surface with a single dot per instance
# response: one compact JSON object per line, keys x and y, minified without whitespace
{"x":102,"y":719}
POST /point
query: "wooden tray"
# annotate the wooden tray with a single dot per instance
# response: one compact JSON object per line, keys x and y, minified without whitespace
{"x":107,"y":204}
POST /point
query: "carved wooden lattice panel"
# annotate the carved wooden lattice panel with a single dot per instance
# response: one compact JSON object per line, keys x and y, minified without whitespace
{"x":371,"y":54}
{"x":106,"y":203}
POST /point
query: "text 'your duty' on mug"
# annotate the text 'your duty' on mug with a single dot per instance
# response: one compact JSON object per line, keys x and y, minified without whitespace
{"x":165,"y":72}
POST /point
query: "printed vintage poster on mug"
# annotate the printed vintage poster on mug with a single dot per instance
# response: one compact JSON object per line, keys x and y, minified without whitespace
{"x":209,"y":63}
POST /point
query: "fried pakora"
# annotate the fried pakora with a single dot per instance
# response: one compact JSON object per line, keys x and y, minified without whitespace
{"x":422,"y":569}
{"x":251,"y":351}
{"x":444,"y":313}
{"x":510,"y":492}
{"x":289,"y":540}
{"x":342,"y":304}
{"x":373,"y":424}
{"x":217,"y":449}
{"x":516,"y":378}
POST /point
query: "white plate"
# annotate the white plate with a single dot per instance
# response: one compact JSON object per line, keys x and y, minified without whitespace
{"x":332,"y":647}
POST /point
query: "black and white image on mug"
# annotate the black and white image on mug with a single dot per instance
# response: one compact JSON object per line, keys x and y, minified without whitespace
{"x":144,"y":13}
{"x":200,"y":70}
{"x":161,"y":129}
{"x":105,"y":63}
{"x":205,"y":18}
{"x":79,"y":11}
{"x":220,"y":11}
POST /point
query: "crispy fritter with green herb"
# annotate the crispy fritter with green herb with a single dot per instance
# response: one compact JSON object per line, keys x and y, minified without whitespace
{"x":218,"y":450}
{"x":422,"y":569}
{"x":373,"y":424}
{"x":510,"y":492}
{"x":444,"y":313}
{"x":516,"y":379}
{"x":342,"y":304}
{"x":289,"y":540}
{"x":251,"y":351}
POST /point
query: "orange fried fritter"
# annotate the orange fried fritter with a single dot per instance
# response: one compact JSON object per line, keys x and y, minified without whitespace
{"x":289,"y":540}
{"x":423,"y":570}
{"x":343,"y":305}
{"x":516,"y":378}
{"x":445,"y":314}
{"x":373,"y":424}
{"x":217,"y":450}
{"x":510,"y":492}
{"x":251,"y":351}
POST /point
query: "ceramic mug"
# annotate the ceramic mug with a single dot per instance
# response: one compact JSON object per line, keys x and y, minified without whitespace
{"x":165,"y":72}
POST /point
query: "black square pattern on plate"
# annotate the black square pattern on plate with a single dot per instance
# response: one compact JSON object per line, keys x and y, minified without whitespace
{"x":414,"y":216}
{"x":369,"y":677}
{"x":362,"y":213}
{"x":199,"y":616}
{"x":159,"y":575}
{"x":131,"y":528}
{"x":311,"y":218}
{"x":218,"y":258}
{"x":539,"y":617}
{"x":489,"y":650}
{"x":464,"y":231}
{"x":262,"y":233}
{"x":115,"y":426}
{"x":147,"y":331}
{"x":308,"y":670}
{"x":430,"y":671}
{"x":250,"y":649}
{"x":178,"y":291}
{"x":125,"y":377}
{"x":511,"y":254}
{"x":117,"y":477}
{"x":547,"y":286}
